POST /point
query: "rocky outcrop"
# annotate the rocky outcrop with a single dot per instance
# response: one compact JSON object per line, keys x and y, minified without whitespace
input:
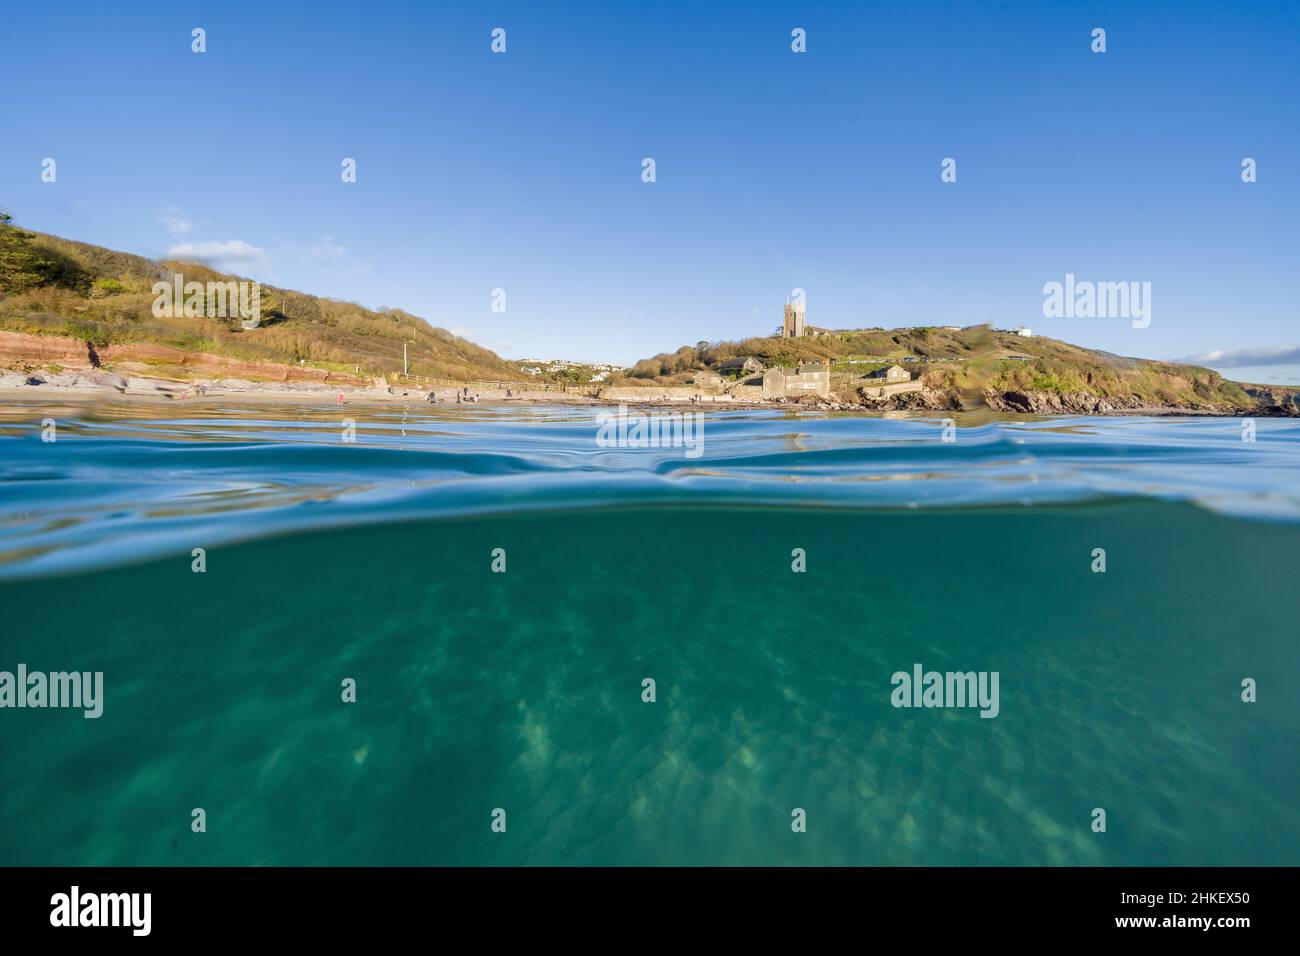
{"x":921,"y":399}
{"x":1275,"y":400}
{"x":92,"y":380}
{"x":929,"y":399}
{"x":17,"y":348}
{"x":25,"y":351}
{"x":1278,"y":402}
{"x":1056,"y":403}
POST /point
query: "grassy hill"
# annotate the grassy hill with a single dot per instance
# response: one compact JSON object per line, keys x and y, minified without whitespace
{"x":89,"y":298}
{"x":978,"y":366}
{"x":866,"y":345}
{"x":57,"y":287}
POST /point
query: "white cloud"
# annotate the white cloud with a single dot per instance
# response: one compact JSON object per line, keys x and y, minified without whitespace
{"x":327,"y":250}
{"x":223,"y":254}
{"x":174,"y":220}
{"x":1237,"y":358}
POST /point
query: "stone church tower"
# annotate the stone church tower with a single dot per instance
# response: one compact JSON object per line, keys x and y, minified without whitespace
{"x":792,"y":327}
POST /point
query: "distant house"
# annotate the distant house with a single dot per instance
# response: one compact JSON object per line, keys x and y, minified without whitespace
{"x":816,"y":331}
{"x":1024,"y":332}
{"x":812,"y":379}
{"x":951,"y":328}
{"x":746,"y":364}
{"x":706,"y":379}
{"x":891,"y":373}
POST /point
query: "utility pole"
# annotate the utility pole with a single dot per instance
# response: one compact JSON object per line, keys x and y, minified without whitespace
{"x":403,"y":358}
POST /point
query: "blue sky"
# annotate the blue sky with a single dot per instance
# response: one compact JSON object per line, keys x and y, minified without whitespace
{"x":775,"y":170}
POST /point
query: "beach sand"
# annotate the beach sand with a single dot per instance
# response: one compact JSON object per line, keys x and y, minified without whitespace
{"x":96,"y":385}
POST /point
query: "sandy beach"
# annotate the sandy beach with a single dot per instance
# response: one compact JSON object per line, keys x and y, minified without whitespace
{"x":98,"y":385}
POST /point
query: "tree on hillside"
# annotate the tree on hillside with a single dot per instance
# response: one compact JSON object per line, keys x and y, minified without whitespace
{"x":28,"y":265}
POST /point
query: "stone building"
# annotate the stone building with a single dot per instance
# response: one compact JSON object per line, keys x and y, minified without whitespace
{"x":891,"y":373}
{"x":812,"y":379}
{"x":792,"y":326}
{"x":746,"y":365}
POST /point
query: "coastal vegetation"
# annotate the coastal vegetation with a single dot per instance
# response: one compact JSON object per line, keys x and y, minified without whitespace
{"x":58,"y":287}
{"x":96,"y":301}
{"x":973,"y":366}
{"x":859,"y":345}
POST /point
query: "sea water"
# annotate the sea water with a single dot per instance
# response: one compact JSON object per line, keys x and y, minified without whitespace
{"x":497,"y":588}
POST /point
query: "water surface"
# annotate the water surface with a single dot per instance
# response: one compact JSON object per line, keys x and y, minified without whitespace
{"x":523,"y":690}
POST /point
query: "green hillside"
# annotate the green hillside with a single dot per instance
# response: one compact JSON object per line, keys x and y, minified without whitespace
{"x":54,"y":286}
{"x":974,"y":366}
{"x":858,"y":345}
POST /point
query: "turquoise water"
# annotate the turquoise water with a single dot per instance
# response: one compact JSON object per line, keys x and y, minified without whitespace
{"x":522,"y":690}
